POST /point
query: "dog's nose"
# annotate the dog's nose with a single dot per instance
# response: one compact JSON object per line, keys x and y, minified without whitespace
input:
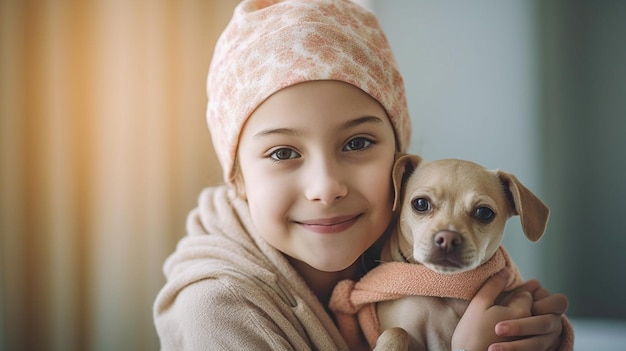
{"x":448,"y":241}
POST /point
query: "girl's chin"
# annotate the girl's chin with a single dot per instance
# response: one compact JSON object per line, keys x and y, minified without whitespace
{"x":334,"y":266}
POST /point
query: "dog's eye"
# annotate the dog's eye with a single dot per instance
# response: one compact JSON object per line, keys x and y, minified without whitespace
{"x":485,"y":214}
{"x":421,"y":204}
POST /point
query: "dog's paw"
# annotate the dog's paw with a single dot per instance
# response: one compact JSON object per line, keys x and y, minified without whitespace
{"x":393,"y":339}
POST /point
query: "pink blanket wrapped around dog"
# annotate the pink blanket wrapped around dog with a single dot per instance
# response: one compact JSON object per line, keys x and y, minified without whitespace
{"x":354,"y":302}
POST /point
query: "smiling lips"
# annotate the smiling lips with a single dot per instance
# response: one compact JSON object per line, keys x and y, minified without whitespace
{"x":330,"y":225}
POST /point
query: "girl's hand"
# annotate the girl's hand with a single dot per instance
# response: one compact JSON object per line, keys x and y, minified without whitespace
{"x":515,"y":327}
{"x":542,"y":331}
{"x":476,"y":329}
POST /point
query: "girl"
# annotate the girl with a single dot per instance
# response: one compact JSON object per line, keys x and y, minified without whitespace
{"x":306,"y":111}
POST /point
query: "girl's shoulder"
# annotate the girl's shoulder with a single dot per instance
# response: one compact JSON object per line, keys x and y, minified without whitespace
{"x":227,"y":312}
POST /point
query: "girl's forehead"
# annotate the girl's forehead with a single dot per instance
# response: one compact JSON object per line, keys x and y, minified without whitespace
{"x":318,"y":105}
{"x":320,"y":97}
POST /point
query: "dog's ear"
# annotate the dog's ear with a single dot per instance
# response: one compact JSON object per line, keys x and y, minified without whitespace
{"x":532,"y":211}
{"x":403,"y":166}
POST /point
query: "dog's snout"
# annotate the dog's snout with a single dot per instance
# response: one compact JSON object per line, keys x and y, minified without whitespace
{"x":448,"y":241}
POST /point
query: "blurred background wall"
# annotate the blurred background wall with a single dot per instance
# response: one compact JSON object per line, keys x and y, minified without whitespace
{"x":104,"y":147}
{"x":103,"y":151}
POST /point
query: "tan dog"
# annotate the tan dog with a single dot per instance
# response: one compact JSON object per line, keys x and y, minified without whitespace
{"x":452,"y":219}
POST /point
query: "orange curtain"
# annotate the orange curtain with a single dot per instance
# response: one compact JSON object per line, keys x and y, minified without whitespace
{"x":103,"y":150}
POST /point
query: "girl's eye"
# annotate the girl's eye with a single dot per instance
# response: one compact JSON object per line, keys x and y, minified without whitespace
{"x":284,"y":154}
{"x":358,"y":143}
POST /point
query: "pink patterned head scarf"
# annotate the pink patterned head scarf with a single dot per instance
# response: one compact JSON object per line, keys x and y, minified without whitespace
{"x":271,"y":44}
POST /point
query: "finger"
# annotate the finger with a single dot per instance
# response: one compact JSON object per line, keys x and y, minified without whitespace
{"x":531,"y":285}
{"x":541,"y":342}
{"x":538,"y":291}
{"x":535,"y":288}
{"x":486,"y":296}
{"x":557,"y":304}
{"x":535,"y":325}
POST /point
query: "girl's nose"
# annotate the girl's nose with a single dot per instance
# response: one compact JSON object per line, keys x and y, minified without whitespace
{"x":326,"y":184}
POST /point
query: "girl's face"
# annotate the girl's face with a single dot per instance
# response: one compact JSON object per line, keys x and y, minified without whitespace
{"x":315,"y":160}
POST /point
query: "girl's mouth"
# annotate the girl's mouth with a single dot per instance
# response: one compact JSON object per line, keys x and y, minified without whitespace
{"x":330,"y":225}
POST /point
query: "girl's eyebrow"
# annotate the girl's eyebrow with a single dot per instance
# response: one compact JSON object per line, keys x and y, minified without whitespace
{"x":289,"y":131}
{"x":362,"y":120}
{"x":270,"y":131}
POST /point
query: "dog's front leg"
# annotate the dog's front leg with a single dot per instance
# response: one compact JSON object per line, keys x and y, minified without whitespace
{"x":393,"y":339}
